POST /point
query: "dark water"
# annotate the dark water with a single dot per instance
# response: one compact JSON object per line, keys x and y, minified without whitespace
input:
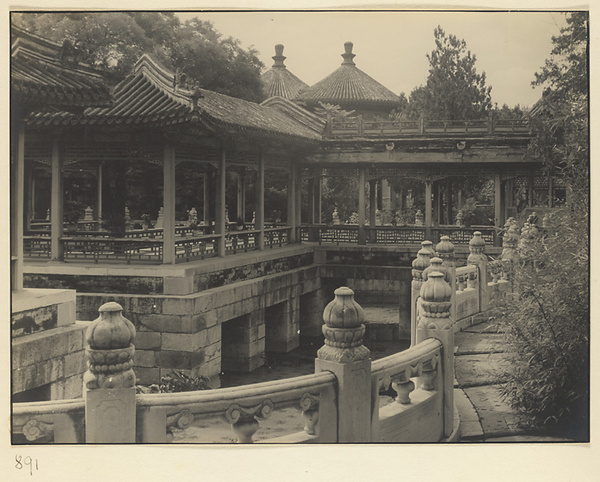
{"x":301,"y":361}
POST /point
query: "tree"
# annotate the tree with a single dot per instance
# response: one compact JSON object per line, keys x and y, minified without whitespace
{"x":114,"y":41}
{"x":548,"y":324}
{"x":454,"y":89}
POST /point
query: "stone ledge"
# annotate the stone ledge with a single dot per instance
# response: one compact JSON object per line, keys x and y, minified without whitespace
{"x":30,"y":298}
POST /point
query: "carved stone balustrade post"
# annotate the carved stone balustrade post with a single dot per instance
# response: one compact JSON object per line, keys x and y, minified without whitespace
{"x":160,"y":220}
{"x":88,"y":214}
{"x":109,"y":382}
{"x":348,"y":359}
{"x":435,"y":321}
{"x":419,"y":264}
{"x":479,"y":259}
{"x":244,"y":419}
{"x":419,"y":218}
{"x":445,"y":250}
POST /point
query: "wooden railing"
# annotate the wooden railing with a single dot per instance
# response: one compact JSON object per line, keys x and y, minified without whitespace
{"x":277,"y":236}
{"x":101,"y":248}
{"x":196,"y":247}
{"x":404,"y":235}
{"x":357,"y":127}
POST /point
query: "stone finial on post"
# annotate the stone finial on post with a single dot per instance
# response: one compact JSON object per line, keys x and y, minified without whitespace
{"x":445,"y":250}
{"x":88,"y":214}
{"x":192,"y":216}
{"x":336,"y":216}
{"x":109,"y":382}
{"x":477,"y":257}
{"x":127,"y":218}
{"x":419,"y":218}
{"x":347,"y":358}
{"x":419,"y":264}
{"x":510,"y":241}
{"x":160,"y":222}
{"x":435,"y":321}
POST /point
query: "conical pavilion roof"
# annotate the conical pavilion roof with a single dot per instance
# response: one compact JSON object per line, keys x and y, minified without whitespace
{"x":349,"y":86}
{"x":278,"y":80}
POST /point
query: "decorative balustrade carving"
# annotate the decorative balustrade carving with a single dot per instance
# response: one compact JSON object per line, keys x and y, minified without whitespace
{"x":35,"y":430}
{"x":309,"y":404}
{"x":244,"y":419}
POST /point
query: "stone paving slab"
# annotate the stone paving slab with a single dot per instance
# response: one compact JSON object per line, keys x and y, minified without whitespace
{"x":491,"y":326}
{"x":473,"y":343}
{"x":479,"y":369}
{"x":470,"y":427}
{"x":497,"y":417}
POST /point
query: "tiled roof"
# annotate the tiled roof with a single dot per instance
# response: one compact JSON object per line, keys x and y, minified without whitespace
{"x":151,"y":95}
{"x":46,"y":73}
{"x":348,"y":85}
{"x":278,"y":81}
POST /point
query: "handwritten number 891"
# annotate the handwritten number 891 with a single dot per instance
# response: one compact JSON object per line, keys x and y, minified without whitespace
{"x":24,"y":462}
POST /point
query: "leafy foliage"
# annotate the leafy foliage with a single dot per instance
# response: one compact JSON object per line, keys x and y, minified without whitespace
{"x":454,"y":89}
{"x":114,"y":41}
{"x":548,"y":325}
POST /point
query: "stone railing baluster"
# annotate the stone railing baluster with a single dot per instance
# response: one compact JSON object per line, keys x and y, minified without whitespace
{"x":244,"y":419}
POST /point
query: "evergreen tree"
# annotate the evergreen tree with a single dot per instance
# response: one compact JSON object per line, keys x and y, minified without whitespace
{"x":454,"y":89}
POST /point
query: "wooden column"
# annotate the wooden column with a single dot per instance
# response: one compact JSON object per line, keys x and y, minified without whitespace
{"x":497,"y":200}
{"x":99,"y":198}
{"x":56,"y":204}
{"x":428,"y":209}
{"x":206,"y":196}
{"x":298,"y":202}
{"x":312,"y":204}
{"x":361,"y":206}
{"x":169,"y":205}
{"x":17,"y":213}
{"x":291,"y":201}
{"x":260,"y":200}
{"x":386,"y":196}
{"x":372,"y":202}
{"x":449,"y":203}
{"x":320,"y":197}
{"x":438,"y":204}
{"x":241,"y":195}
{"x":220,"y":227}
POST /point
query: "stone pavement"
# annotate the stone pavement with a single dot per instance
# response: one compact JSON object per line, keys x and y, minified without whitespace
{"x":484,"y":415}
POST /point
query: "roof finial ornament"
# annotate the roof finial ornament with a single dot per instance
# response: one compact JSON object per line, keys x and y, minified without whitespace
{"x":348,"y":55}
{"x":279,"y":57}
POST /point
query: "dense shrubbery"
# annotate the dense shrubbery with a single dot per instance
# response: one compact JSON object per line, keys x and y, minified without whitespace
{"x":548,"y":321}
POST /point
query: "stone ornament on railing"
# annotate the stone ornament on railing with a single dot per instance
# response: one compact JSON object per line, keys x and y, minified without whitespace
{"x":435,"y":304}
{"x":477,"y":249}
{"x":460,"y":218}
{"x":419,"y":264}
{"x":343,"y":329}
{"x":336,"y":216}
{"x":530,"y":237}
{"x":244,"y":419}
{"x":110,"y":350}
{"x":34,"y":429}
{"x":428,"y":246}
{"x":436,"y":266}
{"x":181,"y":420}
{"x":445,"y":250}
{"x":419,"y":218}
{"x":88,"y":214}
{"x":309,"y":404}
{"x":192,"y":217}
{"x":127,"y":217}
{"x":160,"y":222}
{"x":510,"y":241}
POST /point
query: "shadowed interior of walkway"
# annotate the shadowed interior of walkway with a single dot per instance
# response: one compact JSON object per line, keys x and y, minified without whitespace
{"x":480,"y":359}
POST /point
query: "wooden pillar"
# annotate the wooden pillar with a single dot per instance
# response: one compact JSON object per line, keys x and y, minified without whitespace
{"x":29,"y":193}
{"x":169,"y":205}
{"x":372,"y":202}
{"x":312,"y":200}
{"x":361,"y":206}
{"x":17,"y":214}
{"x":56,"y":204}
{"x":99,"y":197}
{"x":220,"y":227}
{"x":298,"y":202}
{"x":428,"y":209}
{"x":206,"y":201}
{"x":449,"y":216}
{"x":291,"y":201}
{"x":320,"y":198}
{"x":497,"y":200}
{"x":438,"y":204}
{"x":241,"y":195}
{"x":386,"y":196}
{"x":260,"y":200}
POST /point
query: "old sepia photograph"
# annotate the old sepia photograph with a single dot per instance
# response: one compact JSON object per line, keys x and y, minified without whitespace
{"x":299,"y":227}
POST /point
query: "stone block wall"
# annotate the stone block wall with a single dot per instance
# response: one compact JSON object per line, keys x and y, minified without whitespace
{"x":54,"y":359}
{"x":185,"y":332}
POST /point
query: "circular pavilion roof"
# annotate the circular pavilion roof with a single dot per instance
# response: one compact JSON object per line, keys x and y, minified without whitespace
{"x":278,"y":80}
{"x":349,"y":86}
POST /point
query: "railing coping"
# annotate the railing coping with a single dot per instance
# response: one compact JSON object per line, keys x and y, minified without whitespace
{"x":408,"y":357}
{"x":50,"y":407}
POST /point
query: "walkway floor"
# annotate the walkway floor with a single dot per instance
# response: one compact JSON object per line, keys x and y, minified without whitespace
{"x":484,"y":415}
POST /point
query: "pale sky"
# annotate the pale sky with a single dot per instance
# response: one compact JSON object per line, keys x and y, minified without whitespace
{"x":391,"y":46}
